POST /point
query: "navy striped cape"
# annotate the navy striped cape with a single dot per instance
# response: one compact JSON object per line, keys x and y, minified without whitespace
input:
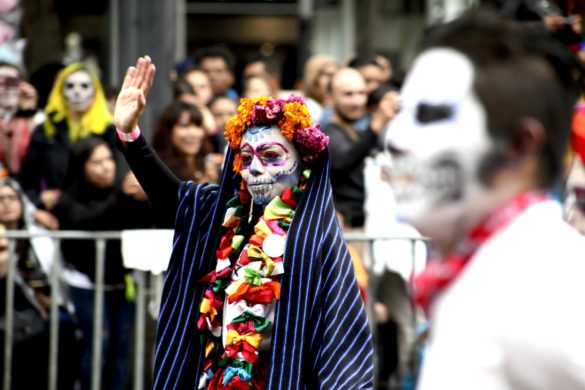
{"x":321,"y":338}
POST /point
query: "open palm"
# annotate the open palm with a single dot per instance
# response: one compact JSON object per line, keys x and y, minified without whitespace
{"x":132,"y":97}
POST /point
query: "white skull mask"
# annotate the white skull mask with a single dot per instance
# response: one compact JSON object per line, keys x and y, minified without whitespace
{"x":79,"y":91}
{"x":9,"y":89}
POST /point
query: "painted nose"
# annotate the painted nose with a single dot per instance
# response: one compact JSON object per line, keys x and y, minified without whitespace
{"x":256,"y":167}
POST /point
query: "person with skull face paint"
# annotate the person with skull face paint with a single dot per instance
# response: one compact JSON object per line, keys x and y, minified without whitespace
{"x":260,"y":291}
{"x":476,"y":152}
{"x":18,"y":105}
{"x":76,"y":109}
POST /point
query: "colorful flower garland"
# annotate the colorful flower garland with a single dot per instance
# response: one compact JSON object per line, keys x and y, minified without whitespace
{"x":243,"y":293}
{"x":290,"y":114}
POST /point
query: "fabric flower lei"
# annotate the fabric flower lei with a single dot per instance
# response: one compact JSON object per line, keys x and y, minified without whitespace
{"x":247,"y":278}
{"x":290,"y":114}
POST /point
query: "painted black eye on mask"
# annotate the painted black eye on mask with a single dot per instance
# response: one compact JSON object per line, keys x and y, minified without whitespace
{"x":428,"y":113}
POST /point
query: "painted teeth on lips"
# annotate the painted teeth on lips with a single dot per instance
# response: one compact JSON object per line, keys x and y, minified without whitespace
{"x":258,"y":184}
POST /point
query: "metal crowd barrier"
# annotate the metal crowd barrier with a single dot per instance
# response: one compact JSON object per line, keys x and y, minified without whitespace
{"x":140,"y":326}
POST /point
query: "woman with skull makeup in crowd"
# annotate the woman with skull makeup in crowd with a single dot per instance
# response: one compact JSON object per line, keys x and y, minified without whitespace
{"x":76,"y":108}
{"x":260,"y":291}
{"x":18,"y":105}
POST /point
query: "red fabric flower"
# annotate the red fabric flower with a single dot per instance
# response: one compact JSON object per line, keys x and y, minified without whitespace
{"x":288,"y":197}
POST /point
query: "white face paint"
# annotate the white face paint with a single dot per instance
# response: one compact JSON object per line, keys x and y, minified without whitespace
{"x":270,"y":163}
{"x":441,"y":134}
{"x":9,"y":89}
{"x":78,"y":90}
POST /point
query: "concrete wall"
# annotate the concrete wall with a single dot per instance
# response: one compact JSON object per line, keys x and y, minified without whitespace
{"x":335,"y":31}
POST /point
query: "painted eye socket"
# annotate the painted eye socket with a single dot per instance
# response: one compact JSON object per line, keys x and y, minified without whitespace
{"x":73,"y":85}
{"x":247,"y":158}
{"x":271,"y":155}
{"x":428,"y":113}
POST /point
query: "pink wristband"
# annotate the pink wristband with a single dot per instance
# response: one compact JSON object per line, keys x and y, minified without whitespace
{"x":129,"y":137}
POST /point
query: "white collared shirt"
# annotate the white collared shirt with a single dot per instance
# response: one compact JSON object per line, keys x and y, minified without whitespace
{"x":515,"y":317}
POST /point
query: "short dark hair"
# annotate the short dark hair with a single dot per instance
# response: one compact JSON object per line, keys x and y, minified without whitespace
{"x":519,"y":73}
{"x":215,"y":51}
{"x":182,"y":86}
{"x":376,"y":96}
{"x":272,"y":64}
{"x":164,"y":147}
{"x":361,"y":60}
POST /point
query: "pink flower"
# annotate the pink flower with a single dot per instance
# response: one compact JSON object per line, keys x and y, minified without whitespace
{"x":311,"y":142}
{"x":267,"y":112}
{"x":295,"y":98}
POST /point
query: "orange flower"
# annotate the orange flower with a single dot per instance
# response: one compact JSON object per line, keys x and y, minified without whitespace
{"x":237,"y":163}
{"x":291,"y":115}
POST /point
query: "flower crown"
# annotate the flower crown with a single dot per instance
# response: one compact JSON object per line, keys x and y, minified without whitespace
{"x":291,"y":115}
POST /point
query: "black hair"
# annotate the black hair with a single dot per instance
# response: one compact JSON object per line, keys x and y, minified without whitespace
{"x":182,"y":86}
{"x":15,"y":186}
{"x":162,"y":139}
{"x":376,"y":96}
{"x":363,"y":60}
{"x":272,"y":64}
{"x":221,"y":51}
{"x":520,"y":73}
{"x":76,"y":182}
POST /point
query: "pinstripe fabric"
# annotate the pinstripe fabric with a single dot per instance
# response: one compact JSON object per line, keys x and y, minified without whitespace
{"x":321,"y":338}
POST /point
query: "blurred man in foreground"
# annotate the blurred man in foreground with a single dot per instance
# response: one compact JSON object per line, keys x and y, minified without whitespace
{"x":477,"y":150}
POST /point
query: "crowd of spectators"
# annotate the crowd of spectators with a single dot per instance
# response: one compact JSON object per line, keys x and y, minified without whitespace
{"x":59,"y":170}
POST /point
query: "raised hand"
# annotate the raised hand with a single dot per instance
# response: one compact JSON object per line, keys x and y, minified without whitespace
{"x":132,"y":97}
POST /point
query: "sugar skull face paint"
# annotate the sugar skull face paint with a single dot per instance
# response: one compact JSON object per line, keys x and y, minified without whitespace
{"x":270,"y":163}
{"x":78,"y":91}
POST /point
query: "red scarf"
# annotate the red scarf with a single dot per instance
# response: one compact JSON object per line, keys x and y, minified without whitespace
{"x":439,"y":273}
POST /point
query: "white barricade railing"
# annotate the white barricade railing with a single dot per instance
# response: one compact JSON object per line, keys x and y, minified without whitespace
{"x":146,"y":245}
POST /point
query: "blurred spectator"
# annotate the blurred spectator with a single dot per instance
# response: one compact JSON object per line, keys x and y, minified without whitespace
{"x":111,"y":94}
{"x":574,"y":183}
{"x":319,"y":69}
{"x":18,"y":106}
{"x":77,"y":108}
{"x":348,"y":147}
{"x":185,"y":91}
{"x":222,"y":108}
{"x":180,"y":141}
{"x":561,"y":18}
{"x":91,"y":201}
{"x":269,"y":67}
{"x":392,"y":260}
{"x":528,"y":10}
{"x":575,"y":195}
{"x":257,"y":85}
{"x":371,"y":69}
{"x":386,"y":66}
{"x":30,"y":337}
{"x":386,"y":98}
{"x":219,"y":64}
{"x":34,"y":259}
{"x":201,"y":84}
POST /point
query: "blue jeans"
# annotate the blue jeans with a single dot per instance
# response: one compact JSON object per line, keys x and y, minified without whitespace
{"x":118,"y":323}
